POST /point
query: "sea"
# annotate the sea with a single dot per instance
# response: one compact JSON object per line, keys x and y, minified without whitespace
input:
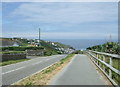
{"x":80,"y":44}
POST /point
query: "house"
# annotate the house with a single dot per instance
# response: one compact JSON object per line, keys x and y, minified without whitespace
{"x":15,"y":44}
{"x":7,"y":43}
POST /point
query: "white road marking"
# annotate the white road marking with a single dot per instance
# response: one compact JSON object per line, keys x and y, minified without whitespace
{"x":30,"y":60}
{"x":47,"y":59}
{"x":37,"y":63}
{"x":13,"y":70}
{"x":35,"y":72}
{"x":26,"y":66}
{"x":21,"y":68}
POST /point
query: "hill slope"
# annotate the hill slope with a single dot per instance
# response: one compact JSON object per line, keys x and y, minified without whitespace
{"x":109,"y":47}
{"x":50,"y":47}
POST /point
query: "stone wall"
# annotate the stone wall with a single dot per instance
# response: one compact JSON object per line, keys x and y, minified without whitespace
{"x":17,"y":56}
{"x":35,"y":52}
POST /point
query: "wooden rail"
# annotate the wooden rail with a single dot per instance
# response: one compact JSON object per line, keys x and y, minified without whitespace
{"x":109,"y":64}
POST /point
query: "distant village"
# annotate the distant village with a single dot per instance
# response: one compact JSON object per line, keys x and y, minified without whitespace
{"x":15,"y":42}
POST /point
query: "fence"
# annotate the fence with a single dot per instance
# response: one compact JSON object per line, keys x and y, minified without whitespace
{"x":109,"y":64}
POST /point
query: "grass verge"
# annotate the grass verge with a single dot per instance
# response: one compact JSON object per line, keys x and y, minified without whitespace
{"x":11,"y":62}
{"x":43,"y":77}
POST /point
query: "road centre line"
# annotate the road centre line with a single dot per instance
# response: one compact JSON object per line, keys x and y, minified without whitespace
{"x":26,"y":66}
{"x":13,"y":70}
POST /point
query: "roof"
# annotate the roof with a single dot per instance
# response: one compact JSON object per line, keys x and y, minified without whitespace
{"x":7,"y":42}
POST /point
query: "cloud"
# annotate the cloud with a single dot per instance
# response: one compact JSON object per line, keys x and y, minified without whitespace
{"x":71,"y":13}
{"x":61,"y":20}
{"x":60,"y":0}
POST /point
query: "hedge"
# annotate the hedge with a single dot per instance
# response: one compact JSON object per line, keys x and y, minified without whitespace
{"x":109,"y":47}
{"x":12,"y":52}
{"x":20,"y":48}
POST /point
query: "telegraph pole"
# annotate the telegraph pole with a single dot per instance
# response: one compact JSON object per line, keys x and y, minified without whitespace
{"x":39,"y":36}
{"x":110,"y":38}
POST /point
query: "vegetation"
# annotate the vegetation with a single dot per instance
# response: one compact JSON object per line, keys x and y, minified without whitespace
{"x":11,"y":52}
{"x":50,"y":52}
{"x":11,"y":62}
{"x":51,"y":48}
{"x":20,"y":48}
{"x":30,"y":44}
{"x":7,"y":50}
{"x":78,"y":52}
{"x":109,"y":47}
{"x":43,"y":77}
{"x":63,"y":46}
{"x":23,"y":42}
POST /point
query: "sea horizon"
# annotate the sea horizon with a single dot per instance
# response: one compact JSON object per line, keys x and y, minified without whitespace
{"x":81,"y":44}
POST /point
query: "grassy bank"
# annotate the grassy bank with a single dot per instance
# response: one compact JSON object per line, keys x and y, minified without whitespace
{"x":11,"y":62}
{"x":109,"y":47}
{"x":43,"y":77}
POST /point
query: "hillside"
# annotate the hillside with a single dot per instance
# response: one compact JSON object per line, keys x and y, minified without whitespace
{"x":109,"y":47}
{"x":50,"y":47}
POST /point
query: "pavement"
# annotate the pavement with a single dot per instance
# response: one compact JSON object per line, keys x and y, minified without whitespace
{"x":15,"y":72}
{"x":80,"y":71}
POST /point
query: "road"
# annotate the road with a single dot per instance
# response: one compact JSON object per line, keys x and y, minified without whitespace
{"x":80,"y":71}
{"x":15,"y":72}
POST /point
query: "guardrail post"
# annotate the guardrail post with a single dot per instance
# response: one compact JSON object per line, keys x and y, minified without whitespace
{"x":107,"y":68}
{"x":110,"y":71}
{"x":100,"y":59}
{"x":97,"y":58}
{"x":104,"y":61}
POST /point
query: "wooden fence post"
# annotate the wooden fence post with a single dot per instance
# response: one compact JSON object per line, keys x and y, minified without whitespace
{"x":110,"y":71}
{"x":97,"y":58}
{"x":104,"y":61}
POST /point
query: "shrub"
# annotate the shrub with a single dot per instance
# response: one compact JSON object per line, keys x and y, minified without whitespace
{"x":21,"y":48}
{"x":109,"y":47}
{"x":50,"y":52}
{"x":12,"y":52}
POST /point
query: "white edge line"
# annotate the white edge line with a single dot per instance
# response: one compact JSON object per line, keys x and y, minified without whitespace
{"x":37,"y":63}
{"x":25,"y":67}
{"x":36,"y":72}
{"x":13,"y":70}
{"x":26,"y":61}
{"x":17,"y":63}
{"x":21,"y":68}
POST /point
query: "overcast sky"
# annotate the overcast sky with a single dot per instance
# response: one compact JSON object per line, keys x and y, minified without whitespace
{"x":60,"y":20}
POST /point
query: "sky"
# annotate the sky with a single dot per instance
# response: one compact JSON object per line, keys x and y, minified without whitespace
{"x":60,"y":20}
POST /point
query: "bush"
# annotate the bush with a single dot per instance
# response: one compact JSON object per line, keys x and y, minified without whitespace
{"x":12,"y":52}
{"x":109,"y":47}
{"x":78,"y":52}
{"x":50,"y":52}
{"x":21,"y":48}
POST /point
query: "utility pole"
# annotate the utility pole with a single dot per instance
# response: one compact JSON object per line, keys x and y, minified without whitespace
{"x":39,"y":36}
{"x":110,"y":38}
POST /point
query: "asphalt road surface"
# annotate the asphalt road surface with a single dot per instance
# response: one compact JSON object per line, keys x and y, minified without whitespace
{"x":15,"y":72}
{"x":80,"y":71}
